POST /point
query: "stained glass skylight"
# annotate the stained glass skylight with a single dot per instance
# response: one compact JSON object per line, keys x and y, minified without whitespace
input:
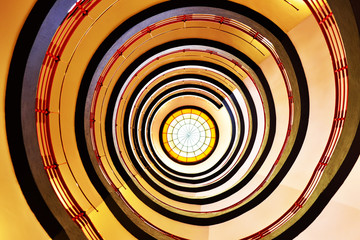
{"x":189,"y":135}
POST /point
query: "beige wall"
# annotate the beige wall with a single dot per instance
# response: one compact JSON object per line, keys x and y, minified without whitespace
{"x":339,"y":220}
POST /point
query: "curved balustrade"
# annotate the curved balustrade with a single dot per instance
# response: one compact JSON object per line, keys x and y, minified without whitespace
{"x":47,"y":112}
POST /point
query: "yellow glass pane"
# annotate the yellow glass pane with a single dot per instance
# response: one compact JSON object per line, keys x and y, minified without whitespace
{"x":186,"y":110}
{"x":211,"y":124}
{"x":196,"y":112}
{"x":174,"y":155}
{"x":191,"y":159}
{"x":201,"y":156}
{"x":204,"y":116}
{"x":212,"y":142}
{"x":165,"y":129}
{"x":176,"y":114}
{"x":207,"y":151}
{"x":181,"y":158}
{"x":170,"y":119}
{"x":164,"y":137}
{"x":167,"y":147}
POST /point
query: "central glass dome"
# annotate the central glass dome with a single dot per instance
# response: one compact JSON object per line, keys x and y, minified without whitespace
{"x":188,"y":135}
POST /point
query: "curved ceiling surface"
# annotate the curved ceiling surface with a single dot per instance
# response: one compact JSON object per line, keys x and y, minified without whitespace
{"x":142,"y":119}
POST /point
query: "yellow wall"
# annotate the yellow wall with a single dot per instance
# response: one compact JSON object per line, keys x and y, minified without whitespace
{"x":17,"y":221}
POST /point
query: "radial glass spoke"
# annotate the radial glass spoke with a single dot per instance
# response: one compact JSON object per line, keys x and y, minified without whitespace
{"x":188,"y":135}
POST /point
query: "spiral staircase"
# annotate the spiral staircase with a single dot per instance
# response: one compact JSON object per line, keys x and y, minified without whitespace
{"x":180,"y":119}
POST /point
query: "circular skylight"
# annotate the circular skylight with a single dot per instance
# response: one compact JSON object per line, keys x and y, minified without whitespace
{"x":189,"y":135}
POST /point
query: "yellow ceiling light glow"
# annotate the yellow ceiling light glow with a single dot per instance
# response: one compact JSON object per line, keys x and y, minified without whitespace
{"x":189,"y":135}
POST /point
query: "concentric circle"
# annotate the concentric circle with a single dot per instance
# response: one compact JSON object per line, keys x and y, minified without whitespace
{"x":180,"y":114}
{"x":189,"y":135}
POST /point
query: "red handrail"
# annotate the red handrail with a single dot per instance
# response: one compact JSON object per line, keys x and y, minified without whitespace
{"x":42,"y":110}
